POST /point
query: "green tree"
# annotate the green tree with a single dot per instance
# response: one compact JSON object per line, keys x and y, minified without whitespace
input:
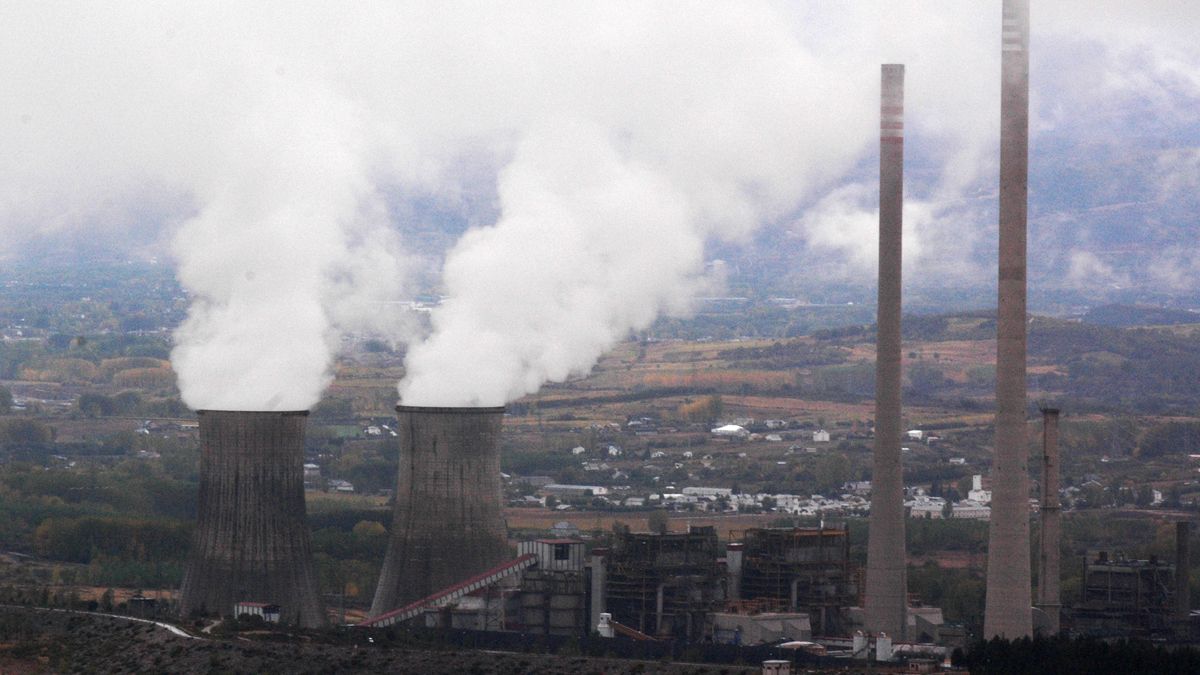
{"x":1171,"y":439}
{"x":23,"y":431}
{"x":6,"y":400}
{"x":831,"y":471}
{"x":658,"y":521}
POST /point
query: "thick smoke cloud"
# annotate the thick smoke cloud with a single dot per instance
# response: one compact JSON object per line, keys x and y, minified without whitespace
{"x":270,"y":141}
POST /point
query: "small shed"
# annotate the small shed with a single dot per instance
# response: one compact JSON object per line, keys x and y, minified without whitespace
{"x":267,"y":612}
{"x":556,"y":554}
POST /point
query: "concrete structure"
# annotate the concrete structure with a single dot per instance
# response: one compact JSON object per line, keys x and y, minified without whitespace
{"x":447,"y":524}
{"x":598,"y":582}
{"x":734,"y":552}
{"x":554,"y":594}
{"x":252,"y":539}
{"x":1007,"y":612}
{"x":755,"y":629}
{"x":887,"y":582}
{"x":1049,"y":575}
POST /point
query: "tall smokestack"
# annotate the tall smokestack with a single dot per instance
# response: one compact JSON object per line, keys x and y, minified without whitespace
{"x":252,"y":540}
{"x":447,"y":525}
{"x":1007,"y":613}
{"x":887,"y":584}
{"x":1049,"y":598}
{"x":1183,"y":566}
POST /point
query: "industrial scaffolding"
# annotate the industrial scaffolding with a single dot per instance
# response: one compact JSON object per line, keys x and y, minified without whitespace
{"x":1123,"y":596}
{"x":801,"y":569}
{"x":666,"y":585}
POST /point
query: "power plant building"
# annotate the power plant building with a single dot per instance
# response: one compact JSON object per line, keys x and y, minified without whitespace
{"x":664,"y":585}
{"x":797,"y":570}
{"x":252,"y":542}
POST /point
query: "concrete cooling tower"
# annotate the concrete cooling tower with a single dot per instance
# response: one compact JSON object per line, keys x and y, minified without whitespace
{"x":252,"y":541}
{"x":447,"y":525}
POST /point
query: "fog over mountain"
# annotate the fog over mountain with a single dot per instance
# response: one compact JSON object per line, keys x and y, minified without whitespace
{"x":302,"y":164}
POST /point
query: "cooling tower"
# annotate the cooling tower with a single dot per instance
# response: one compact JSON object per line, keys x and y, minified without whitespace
{"x":252,"y":539}
{"x":447,"y":524}
{"x":885,"y":601}
{"x":1007,"y":613}
{"x":1049,"y":544}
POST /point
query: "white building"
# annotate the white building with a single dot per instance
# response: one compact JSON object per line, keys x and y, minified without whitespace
{"x":977,"y":493}
{"x":708,"y":492}
{"x":268,"y":613}
{"x":820,"y":436}
{"x":576,"y":490}
{"x":971,"y":510}
{"x":731,"y":430}
{"x":338,"y":485}
{"x":926,"y":507}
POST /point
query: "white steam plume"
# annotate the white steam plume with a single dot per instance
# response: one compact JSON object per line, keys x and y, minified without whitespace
{"x":266,"y":162}
{"x":266,"y":139}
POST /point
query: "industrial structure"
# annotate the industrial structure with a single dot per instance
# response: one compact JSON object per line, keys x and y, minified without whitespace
{"x":666,"y":585}
{"x":774,"y":583}
{"x":252,"y":542}
{"x":1125,"y":597}
{"x":798,"y":570}
{"x":447,"y":523}
{"x":887,"y":564}
{"x":1007,"y":613}
{"x":1049,"y":598}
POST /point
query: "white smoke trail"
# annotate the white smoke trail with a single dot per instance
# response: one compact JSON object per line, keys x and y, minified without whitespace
{"x":268,"y":138}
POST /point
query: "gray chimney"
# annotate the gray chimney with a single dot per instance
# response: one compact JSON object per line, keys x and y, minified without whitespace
{"x":1007,"y":613}
{"x":885,"y":600}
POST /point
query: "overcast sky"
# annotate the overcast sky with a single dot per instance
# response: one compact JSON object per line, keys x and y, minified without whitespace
{"x":223,"y":131}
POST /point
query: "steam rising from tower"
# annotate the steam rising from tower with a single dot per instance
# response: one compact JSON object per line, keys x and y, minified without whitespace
{"x":252,"y":540}
{"x":1007,"y":613}
{"x":447,"y":524}
{"x":887,"y":587}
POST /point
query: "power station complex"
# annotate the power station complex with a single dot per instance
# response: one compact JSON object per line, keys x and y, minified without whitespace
{"x":448,"y":562}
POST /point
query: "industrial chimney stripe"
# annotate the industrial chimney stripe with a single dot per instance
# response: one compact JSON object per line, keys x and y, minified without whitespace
{"x":885,"y":600}
{"x":1007,"y":613}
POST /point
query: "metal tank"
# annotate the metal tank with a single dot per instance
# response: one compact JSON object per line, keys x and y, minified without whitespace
{"x":252,"y":540}
{"x":447,"y":524}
